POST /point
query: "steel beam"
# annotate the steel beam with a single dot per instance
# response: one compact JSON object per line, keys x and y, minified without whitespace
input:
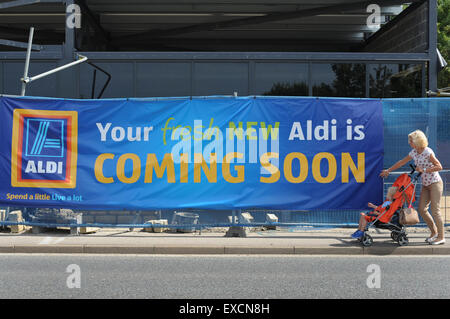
{"x":69,"y":39}
{"x":278,"y":16}
{"x":21,"y":45}
{"x":67,"y":85}
{"x":53,"y":53}
{"x":282,"y":56}
{"x":432,"y":46}
{"x":20,"y":3}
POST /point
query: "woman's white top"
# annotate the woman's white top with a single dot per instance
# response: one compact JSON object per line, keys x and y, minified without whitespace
{"x":423,"y":160}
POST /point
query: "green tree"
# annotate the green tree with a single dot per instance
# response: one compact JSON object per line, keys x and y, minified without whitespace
{"x":443,"y":27}
{"x":379,"y":81}
{"x":350,"y":79}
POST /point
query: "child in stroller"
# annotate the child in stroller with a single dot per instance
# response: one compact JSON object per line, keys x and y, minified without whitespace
{"x":370,"y":217}
{"x":387,"y":215}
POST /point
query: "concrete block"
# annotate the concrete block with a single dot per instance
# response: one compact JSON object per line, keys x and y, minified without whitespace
{"x":156,"y":229}
{"x":185,"y":219}
{"x":230,"y":219}
{"x":76,"y":230}
{"x":236,"y":231}
{"x":148,"y":229}
{"x":2,"y":217}
{"x":15,"y":216}
{"x":247,"y":218}
{"x":89,"y":230}
{"x":160,"y":222}
{"x":15,"y":229}
{"x":271,"y":218}
{"x":242,"y":218}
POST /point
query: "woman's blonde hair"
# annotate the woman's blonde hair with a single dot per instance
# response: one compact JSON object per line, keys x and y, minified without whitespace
{"x":418,"y":138}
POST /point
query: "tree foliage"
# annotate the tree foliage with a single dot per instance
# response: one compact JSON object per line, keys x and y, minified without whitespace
{"x":443,"y":27}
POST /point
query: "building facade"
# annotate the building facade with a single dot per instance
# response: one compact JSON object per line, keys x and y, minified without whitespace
{"x":195,"y":48}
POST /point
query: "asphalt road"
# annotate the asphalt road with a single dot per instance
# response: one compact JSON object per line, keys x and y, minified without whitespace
{"x":224,"y":277}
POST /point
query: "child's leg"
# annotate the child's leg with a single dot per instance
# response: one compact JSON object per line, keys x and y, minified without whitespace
{"x":362,"y":222}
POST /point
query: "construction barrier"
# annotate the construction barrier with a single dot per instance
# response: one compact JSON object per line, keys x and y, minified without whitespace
{"x":167,"y":164}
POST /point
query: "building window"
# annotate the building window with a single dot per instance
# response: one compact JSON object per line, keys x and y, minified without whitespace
{"x":221,"y":78}
{"x":395,"y":80}
{"x":338,"y":79}
{"x":281,"y":79}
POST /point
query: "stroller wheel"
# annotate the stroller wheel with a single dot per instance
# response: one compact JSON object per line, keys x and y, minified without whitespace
{"x":403,"y":240}
{"x":367,"y":240}
{"x":394,"y":236}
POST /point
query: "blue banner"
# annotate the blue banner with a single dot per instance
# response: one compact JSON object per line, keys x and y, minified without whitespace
{"x":215,"y":153}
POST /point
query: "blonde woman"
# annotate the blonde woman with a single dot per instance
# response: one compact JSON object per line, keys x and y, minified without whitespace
{"x":432,"y":186}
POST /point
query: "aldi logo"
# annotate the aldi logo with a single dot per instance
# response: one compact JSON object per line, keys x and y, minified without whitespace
{"x":44,"y":149}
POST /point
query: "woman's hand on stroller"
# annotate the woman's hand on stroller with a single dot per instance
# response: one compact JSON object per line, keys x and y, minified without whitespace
{"x":384,"y":173}
{"x":419,"y":169}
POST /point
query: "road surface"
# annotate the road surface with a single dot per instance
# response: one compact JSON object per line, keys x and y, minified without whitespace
{"x":224,"y":277}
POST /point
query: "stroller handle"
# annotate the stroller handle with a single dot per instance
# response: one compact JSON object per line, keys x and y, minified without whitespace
{"x":413,"y":169}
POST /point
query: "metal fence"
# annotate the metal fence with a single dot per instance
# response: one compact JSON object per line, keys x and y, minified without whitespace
{"x":401,"y":116}
{"x":195,"y":219}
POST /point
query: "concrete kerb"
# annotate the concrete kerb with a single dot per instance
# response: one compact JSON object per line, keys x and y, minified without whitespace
{"x":329,"y":242}
{"x":224,"y":250}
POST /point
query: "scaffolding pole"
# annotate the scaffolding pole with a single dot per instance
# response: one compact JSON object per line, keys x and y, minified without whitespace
{"x":25,"y":80}
{"x":27,"y":61}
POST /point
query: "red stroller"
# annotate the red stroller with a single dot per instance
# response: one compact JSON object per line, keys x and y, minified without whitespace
{"x":389,"y":218}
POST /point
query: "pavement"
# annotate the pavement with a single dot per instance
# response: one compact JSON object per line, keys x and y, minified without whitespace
{"x":305,"y":241}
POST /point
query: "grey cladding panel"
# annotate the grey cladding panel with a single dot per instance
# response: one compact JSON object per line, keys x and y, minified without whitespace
{"x":163,"y":79}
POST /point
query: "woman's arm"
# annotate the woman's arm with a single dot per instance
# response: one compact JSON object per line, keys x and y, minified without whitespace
{"x":400,"y":163}
{"x":437,"y":166}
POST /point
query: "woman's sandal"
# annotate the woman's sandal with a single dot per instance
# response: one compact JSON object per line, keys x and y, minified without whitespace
{"x":431,"y":239}
{"x":440,"y":242}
